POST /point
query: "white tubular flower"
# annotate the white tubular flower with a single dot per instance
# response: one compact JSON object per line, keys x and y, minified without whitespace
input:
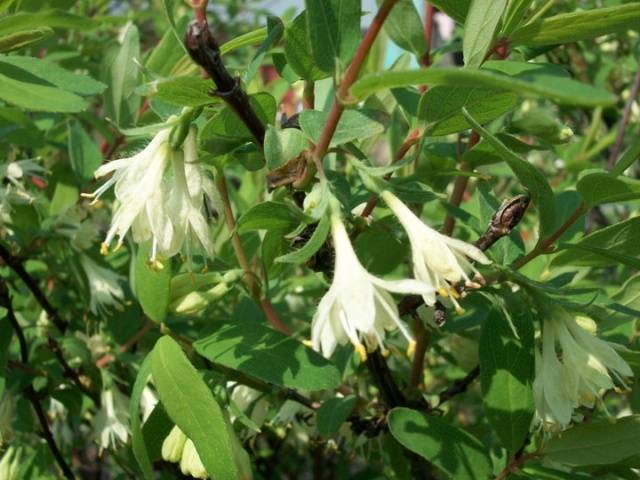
{"x":358,"y":305}
{"x":160,"y":193}
{"x":575,"y":367}
{"x":10,"y":464}
{"x":112,"y":420}
{"x":190,"y":463}
{"x":104,"y":285}
{"x":173,"y":445}
{"x":438,"y":260}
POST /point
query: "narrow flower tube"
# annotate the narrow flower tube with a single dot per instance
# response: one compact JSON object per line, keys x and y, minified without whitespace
{"x":438,"y":260}
{"x":358,"y":306}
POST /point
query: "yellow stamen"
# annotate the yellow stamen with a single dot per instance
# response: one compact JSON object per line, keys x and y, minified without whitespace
{"x":459,"y":310}
{"x":411,"y":349}
{"x":307,"y":343}
{"x":442,"y":292}
{"x":104,"y":249}
{"x":87,"y":195}
{"x":118,"y":246}
{"x":362,"y":352}
{"x":385,"y":353}
{"x":155,"y":264}
{"x":454,"y":293}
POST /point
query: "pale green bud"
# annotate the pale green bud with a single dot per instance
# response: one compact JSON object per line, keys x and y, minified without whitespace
{"x":10,"y":464}
{"x":173,"y":445}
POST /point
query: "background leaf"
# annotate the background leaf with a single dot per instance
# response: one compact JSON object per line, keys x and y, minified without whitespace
{"x":151,"y":286}
{"x":479,"y":27}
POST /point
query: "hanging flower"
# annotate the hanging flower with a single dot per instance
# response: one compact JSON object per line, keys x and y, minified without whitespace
{"x":177,"y":447}
{"x":104,"y":285}
{"x":10,"y":464}
{"x":574,"y":368}
{"x":160,"y":193}
{"x":358,"y":306}
{"x":112,"y":420}
{"x":438,"y":260}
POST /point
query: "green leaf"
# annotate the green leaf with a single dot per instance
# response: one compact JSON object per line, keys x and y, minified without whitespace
{"x":280,"y":146}
{"x":456,"y":9}
{"x":6,"y":336}
{"x":38,"y":97}
{"x":271,"y":215}
{"x":50,"y":73}
{"x":353,"y":125}
{"x":608,"y":246}
{"x":186,"y":92}
{"x":333,"y":413}
{"x":516,"y":12}
{"x":22,"y":21}
{"x":581,"y":25}
{"x":227,"y":124}
{"x":191,"y":405}
{"x":628,"y":158}
{"x":121,"y":103}
{"x":311,"y":247}
{"x":297,"y":50}
{"x":440,"y":107}
{"x":275,"y":30}
{"x":262,"y":353}
{"x":334,"y":31}
{"x":454,"y":451}
{"x":506,"y":373}
{"x":479,"y":28}
{"x":600,"y":187}
{"x":152,"y":287}
{"x":531,"y":81}
{"x":84,"y":154}
{"x":404,"y":27}
{"x":168,"y":52}
{"x":169,"y":7}
{"x":250,"y":38}
{"x":597,"y":443}
{"x":530,"y":176}
{"x":137,"y":440}
{"x":22,"y":38}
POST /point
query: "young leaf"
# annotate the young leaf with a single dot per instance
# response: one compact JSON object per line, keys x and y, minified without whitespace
{"x":506,"y":373}
{"x":186,"y":92}
{"x":581,"y":25}
{"x":297,"y":49}
{"x":38,"y":97}
{"x":532,"y":81}
{"x":405,"y":28}
{"x":440,"y":107}
{"x":267,"y":355}
{"x":280,"y":146}
{"x":600,"y":187}
{"x":479,"y":28}
{"x":84,"y":154}
{"x":353,"y":124}
{"x":628,"y":158}
{"x":597,"y":443}
{"x":151,"y":286}
{"x":271,"y":216}
{"x":191,"y":405}
{"x":334,"y":31}
{"x":137,"y":440}
{"x":52,"y":18}
{"x":454,"y":451}
{"x":333,"y":413}
{"x":22,"y":38}
{"x":530,"y":177}
{"x":311,"y":247}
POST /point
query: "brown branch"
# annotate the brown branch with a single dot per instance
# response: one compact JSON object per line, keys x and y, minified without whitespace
{"x":110,"y":357}
{"x":514,"y":464}
{"x":204,"y":50}
{"x":249,"y":276}
{"x":391,"y":393}
{"x":459,"y":386}
{"x":350,"y":76}
{"x":30,"y":394}
{"x":16,"y":265}
{"x":626,"y":114}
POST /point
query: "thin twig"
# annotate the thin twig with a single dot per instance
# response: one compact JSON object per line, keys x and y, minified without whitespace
{"x":30,"y":394}
{"x":249,"y":276}
{"x":391,"y":393}
{"x":350,"y":76}
{"x":459,"y":386}
{"x":110,"y":357}
{"x":626,"y":114}
{"x":514,"y":464}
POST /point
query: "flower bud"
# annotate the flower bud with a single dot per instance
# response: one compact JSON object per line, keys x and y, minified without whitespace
{"x":173,"y":445}
{"x":10,"y":464}
{"x":190,"y":464}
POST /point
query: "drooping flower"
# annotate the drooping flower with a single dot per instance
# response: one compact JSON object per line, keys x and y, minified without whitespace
{"x":438,"y":260}
{"x":574,"y":368}
{"x":112,"y":420}
{"x":104,"y":284}
{"x":173,"y":445}
{"x":358,"y":306}
{"x":178,"y":448}
{"x":10,"y":464}
{"x":160,"y":193}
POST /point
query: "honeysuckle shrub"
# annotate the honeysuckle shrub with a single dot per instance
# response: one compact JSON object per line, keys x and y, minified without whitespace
{"x":325,"y":239}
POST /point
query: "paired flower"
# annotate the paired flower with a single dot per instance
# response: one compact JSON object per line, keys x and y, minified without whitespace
{"x":177,"y":447}
{"x":358,"y":306}
{"x":160,"y":193}
{"x":573,"y":369}
{"x":438,"y":260}
{"x":104,"y":285}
